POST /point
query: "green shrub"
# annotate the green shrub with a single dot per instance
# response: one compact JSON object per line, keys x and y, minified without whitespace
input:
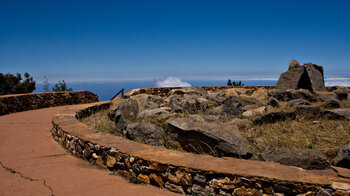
{"x":61,"y":86}
{"x":11,"y":84}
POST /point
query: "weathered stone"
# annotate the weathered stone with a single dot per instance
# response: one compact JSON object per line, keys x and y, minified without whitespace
{"x":341,"y":193}
{"x":99,"y":162}
{"x":342,"y":95}
{"x":254,"y":112}
{"x":224,"y":183}
{"x":343,"y":157}
{"x":231,"y":107}
{"x":180,"y":177}
{"x":340,"y":186}
{"x":243,"y":191}
{"x":307,"y":110}
{"x":304,"y":158}
{"x":308,"y":76}
{"x":309,"y":193}
{"x":146,"y":101}
{"x":128,"y":175}
{"x":200,"y":179}
{"x":331,"y":103}
{"x":126,"y":112}
{"x":174,"y":188}
{"x":158,"y":167}
{"x":154,"y":112}
{"x":145,"y":133}
{"x":260,"y":94}
{"x":202,"y":137}
{"x":190,"y":104}
{"x":293,"y":63}
{"x":110,"y":161}
{"x":297,"y":102}
{"x":275,"y":116}
{"x":87,"y":151}
{"x":199,"y":190}
{"x":157,"y":180}
{"x":282,"y":189}
{"x":231,"y":93}
{"x":324,"y":96}
{"x":323,"y":192}
{"x":138,"y":168}
{"x":273,"y":102}
{"x":341,"y":113}
{"x":144,"y":179}
{"x":120,"y":165}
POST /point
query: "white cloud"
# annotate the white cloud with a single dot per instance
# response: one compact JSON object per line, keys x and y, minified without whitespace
{"x":337,"y":82}
{"x":172,"y":82}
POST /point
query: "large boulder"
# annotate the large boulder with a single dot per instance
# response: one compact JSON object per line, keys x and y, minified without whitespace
{"x":308,"y":76}
{"x":147,"y":101}
{"x":145,"y":133}
{"x":304,"y":158}
{"x":125,"y":113}
{"x":343,"y":157}
{"x":188,"y":103}
{"x":199,"y":136}
{"x":341,"y":113}
{"x":151,"y":113}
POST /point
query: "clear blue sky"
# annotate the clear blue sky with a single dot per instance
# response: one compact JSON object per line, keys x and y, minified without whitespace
{"x":124,"y":40}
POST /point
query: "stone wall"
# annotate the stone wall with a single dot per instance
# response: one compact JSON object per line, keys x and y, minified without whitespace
{"x":187,"y":173}
{"x":31,"y":101}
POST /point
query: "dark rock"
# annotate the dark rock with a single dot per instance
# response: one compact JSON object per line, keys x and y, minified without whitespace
{"x":342,"y":95}
{"x":324,"y":96}
{"x":343,"y":157}
{"x":231,"y":107}
{"x":145,"y":133}
{"x":200,"y":179}
{"x":308,"y":76}
{"x":297,"y":102}
{"x":273,"y":102}
{"x":304,"y":158}
{"x":292,"y":94}
{"x":331,"y":103}
{"x":275,"y":116}
{"x":341,"y":113}
{"x":307,"y":110}
{"x":217,"y":139}
{"x":137,"y":168}
{"x":126,"y":112}
{"x":282,"y":189}
{"x":323,"y":192}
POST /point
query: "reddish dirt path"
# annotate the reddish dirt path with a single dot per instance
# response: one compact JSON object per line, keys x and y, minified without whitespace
{"x":32,"y":163}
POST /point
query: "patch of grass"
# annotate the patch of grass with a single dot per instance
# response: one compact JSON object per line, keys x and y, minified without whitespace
{"x":324,"y":135}
{"x":100,"y":121}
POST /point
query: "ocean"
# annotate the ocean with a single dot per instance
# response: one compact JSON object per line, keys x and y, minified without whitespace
{"x":106,"y":90}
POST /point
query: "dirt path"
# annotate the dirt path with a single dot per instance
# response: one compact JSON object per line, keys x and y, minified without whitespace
{"x":32,"y":163}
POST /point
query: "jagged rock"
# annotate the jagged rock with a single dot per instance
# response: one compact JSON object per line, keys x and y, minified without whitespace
{"x":144,"y":179}
{"x":304,"y":158}
{"x":292,"y":94}
{"x":275,"y":116}
{"x":157,"y":180}
{"x":154,"y":112}
{"x":243,"y":191}
{"x":331,"y":103}
{"x":174,"y":188}
{"x":324,"y":96}
{"x":341,"y":95}
{"x":231,"y":107}
{"x":189,"y":90}
{"x":246,"y":99}
{"x":190,"y":104}
{"x":125,"y":113}
{"x":343,"y":157}
{"x":180,"y":177}
{"x":147,"y":101}
{"x":341,"y":113}
{"x":110,"y":162}
{"x":273,"y":102}
{"x":231,"y":93}
{"x":293,"y":63}
{"x":145,"y":133}
{"x":297,"y":102}
{"x":308,"y":76}
{"x":213,"y":138}
{"x":260,"y":94}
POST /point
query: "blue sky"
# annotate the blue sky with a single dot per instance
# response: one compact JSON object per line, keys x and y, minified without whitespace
{"x":136,"y":40}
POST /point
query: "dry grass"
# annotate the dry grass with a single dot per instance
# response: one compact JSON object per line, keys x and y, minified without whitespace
{"x":322,"y":134}
{"x":100,"y":121}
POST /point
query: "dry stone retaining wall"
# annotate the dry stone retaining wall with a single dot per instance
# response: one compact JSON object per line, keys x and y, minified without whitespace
{"x":23,"y":102}
{"x":188,"y":173}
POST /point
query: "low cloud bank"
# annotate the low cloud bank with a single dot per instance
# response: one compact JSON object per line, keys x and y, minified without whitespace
{"x":337,"y":82}
{"x":172,"y":82}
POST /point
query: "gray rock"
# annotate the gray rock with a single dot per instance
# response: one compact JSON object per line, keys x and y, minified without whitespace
{"x":308,"y":110}
{"x":190,"y":104}
{"x":147,"y":101}
{"x":145,"y":133}
{"x":231,"y":107}
{"x":323,"y":192}
{"x":308,"y":76}
{"x":273,"y":102}
{"x":324,"y":96}
{"x":217,"y":139}
{"x":341,"y":113}
{"x":288,"y":95}
{"x":331,"y":103}
{"x":126,"y":112}
{"x":304,"y":158}
{"x":297,"y":102}
{"x":343,"y":157}
{"x":154,"y":112}
{"x":174,"y":188}
{"x":275,"y":116}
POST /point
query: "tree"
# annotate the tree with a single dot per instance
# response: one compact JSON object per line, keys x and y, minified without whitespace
{"x":10,"y":84}
{"x":61,"y":86}
{"x":229,"y":83}
{"x":239,"y":83}
{"x":46,"y":85}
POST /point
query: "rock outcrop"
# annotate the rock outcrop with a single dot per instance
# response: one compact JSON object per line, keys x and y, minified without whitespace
{"x":308,"y":76}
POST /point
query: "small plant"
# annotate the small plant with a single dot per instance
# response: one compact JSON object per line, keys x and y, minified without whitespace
{"x":230,"y":83}
{"x":61,"y":86}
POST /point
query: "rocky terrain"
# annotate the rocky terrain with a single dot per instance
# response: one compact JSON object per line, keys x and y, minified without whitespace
{"x":301,"y":127}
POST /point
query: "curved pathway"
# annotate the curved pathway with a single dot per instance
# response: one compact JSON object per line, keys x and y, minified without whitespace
{"x":32,"y":163}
